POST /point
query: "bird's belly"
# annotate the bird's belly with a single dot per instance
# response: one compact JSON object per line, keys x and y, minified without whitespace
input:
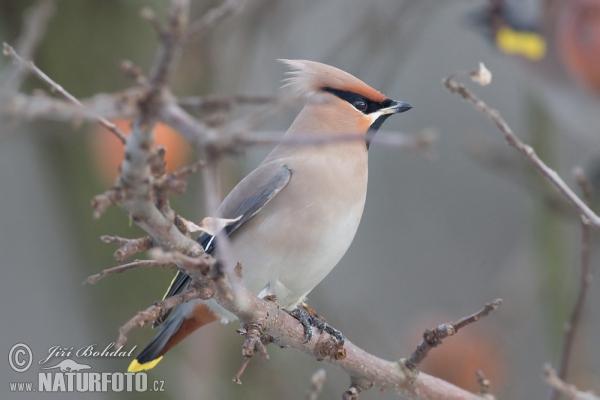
{"x":289,"y":263}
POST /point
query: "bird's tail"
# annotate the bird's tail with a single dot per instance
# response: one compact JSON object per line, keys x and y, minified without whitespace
{"x":185,"y":319}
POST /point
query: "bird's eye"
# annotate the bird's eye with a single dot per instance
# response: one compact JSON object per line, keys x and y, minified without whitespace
{"x":360,"y":105}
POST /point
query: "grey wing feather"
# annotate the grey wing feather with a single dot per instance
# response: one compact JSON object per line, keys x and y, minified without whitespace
{"x":258,"y":188}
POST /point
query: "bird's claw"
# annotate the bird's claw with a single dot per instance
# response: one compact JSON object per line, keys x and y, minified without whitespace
{"x":308,"y":321}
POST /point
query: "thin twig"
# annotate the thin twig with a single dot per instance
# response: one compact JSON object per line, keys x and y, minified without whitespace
{"x":55,"y":87}
{"x":93,"y":279}
{"x":213,"y":16}
{"x":212,"y":103}
{"x":570,"y":391}
{"x":255,"y":342}
{"x":101,"y":202}
{"x":146,"y":317}
{"x":121,"y":104}
{"x":166,"y":55}
{"x":572,"y":326}
{"x":433,"y":337}
{"x":134,"y":72}
{"x":174,"y":181}
{"x":128,"y":247}
{"x":34,"y":27}
{"x":317,"y":381}
{"x":149,"y":15}
{"x":148,"y":209}
{"x":484,"y":384}
{"x":526,"y":151}
{"x":351,"y":394}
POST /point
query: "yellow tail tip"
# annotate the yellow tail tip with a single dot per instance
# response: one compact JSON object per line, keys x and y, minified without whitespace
{"x":135,"y":366}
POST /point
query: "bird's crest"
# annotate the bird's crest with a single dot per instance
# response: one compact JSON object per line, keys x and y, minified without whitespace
{"x":308,"y":77}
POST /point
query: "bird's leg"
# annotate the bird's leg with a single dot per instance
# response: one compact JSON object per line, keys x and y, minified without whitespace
{"x":305,"y":319}
{"x":308,"y":321}
{"x":323,"y":326}
{"x":311,"y":311}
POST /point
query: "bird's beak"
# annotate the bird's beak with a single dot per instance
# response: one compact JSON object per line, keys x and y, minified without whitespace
{"x":395,"y":108}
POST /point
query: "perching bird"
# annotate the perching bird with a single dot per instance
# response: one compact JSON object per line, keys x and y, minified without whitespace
{"x":300,"y":208}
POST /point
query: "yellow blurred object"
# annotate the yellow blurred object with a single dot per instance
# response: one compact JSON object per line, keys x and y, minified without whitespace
{"x":527,"y":44}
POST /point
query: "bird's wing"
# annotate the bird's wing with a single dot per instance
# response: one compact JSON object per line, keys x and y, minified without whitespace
{"x":254,"y":192}
{"x":244,"y":202}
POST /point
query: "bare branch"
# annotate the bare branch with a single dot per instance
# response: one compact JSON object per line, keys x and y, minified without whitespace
{"x":35,"y":22}
{"x":9,"y":51}
{"x":198,"y":269}
{"x":572,"y":326}
{"x":351,"y":394}
{"x":570,"y":391}
{"x":204,"y":138}
{"x":362,"y":367}
{"x":148,"y":209}
{"x":255,"y":342}
{"x":433,"y":337}
{"x":128,"y":247}
{"x":121,"y":104}
{"x":102,"y":202}
{"x":146,"y":317}
{"x":93,"y":279}
{"x":526,"y":151}
{"x":174,"y":181}
{"x":134,"y":72}
{"x":148,"y":15}
{"x":166,"y":55}
{"x":484,"y":385}
{"x":212,"y":103}
{"x":213,"y":16}
{"x":317,"y":381}
{"x":194,"y":131}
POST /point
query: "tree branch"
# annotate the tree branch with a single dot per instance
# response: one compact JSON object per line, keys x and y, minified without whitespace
{"x":433,"y":337}
{"x":34,"y":27}
{"x":525,"y":150}
{"x":55,"y":87}
{"x":211,"y":18}
{"x":128,"y":247}
{"x":360,"y":365}
{"x":317,"y":381}
{"x":570,"y":391}
{"x":93,"y":279}
{"x":572,"y":326}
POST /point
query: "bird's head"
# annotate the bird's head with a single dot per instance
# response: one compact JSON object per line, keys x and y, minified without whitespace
{"x":340,"y":100}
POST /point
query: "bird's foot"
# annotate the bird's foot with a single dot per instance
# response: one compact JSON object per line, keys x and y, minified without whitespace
{"x":311,"y":311}
{"x":308,"y":321}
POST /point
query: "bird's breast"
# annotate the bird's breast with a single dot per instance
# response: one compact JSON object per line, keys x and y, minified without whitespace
{"x":303,"y":232}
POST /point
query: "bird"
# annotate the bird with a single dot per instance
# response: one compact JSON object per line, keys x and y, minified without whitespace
{"x":297,"y":213}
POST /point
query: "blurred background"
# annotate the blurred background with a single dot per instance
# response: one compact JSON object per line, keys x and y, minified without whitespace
{"x":442,"y":234}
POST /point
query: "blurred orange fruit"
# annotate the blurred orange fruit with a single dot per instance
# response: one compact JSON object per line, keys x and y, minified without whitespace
{"x":108,"y":151}
{"x":578,"y":39}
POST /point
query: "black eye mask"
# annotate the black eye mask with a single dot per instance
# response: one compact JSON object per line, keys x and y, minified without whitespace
{"x":361,"y":103}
